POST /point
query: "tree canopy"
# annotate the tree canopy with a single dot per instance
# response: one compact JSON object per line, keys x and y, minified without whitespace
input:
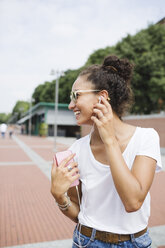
{"x":46,"y":92}
{"x":20,"y":108}
{"x":146,"y":50}
{"x":4,"y":117}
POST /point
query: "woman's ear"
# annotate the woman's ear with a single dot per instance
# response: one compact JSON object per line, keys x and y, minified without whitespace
{"x":104,"y":93}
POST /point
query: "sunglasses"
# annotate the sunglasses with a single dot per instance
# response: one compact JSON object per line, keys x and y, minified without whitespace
{"x":74,"y":94}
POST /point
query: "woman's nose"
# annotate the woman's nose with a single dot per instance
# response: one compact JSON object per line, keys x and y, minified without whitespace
{"x":71,"y":105}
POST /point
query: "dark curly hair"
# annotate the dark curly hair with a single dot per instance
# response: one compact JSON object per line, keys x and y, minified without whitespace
{"x":114,"y":75}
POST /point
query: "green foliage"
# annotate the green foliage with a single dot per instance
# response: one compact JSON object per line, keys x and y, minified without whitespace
{"x":43,"y":129}
{"x":65,"y":85}
{"x":146,"y":50}
{"x":98,"y":56}
{"x":4,"y":117}
{"x":20,"y":108}
{"x":37,"y":92}
{"x":149,"y":78}
{"x":44,"y":93}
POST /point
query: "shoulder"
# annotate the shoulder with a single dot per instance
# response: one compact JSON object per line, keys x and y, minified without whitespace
{"x":78,"y":143}
{"x":147,"y":139}
{"x":148,"y":133}
{"x":149,"y":145}
{"x":78,"y":146}
{"x":82,"y":140}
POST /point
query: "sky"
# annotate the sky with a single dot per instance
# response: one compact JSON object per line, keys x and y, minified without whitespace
{"x":37,"y":36}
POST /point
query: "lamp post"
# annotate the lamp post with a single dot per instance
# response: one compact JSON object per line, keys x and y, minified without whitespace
{"x":30,"y":117}
{"x":58,"y":74}
{"x":56,"y":111}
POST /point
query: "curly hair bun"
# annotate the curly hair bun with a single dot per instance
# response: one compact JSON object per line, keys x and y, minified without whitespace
{"x":122,"y":67}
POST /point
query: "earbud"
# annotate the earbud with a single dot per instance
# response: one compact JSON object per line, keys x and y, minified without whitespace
{"x":99,"y":99}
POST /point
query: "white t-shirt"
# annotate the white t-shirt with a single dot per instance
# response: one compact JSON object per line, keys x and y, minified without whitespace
{"x":3,"y":127}
{"x":101,"y":207}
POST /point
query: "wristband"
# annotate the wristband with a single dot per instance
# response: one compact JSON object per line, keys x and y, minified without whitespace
{"x":65,"y":206}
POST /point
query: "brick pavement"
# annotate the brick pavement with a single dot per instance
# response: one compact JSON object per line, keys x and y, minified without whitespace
{"x":28,"y":214}
{"x":158,"y":200}
{"x":8,"y":150}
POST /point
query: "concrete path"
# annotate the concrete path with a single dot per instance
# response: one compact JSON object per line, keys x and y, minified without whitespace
{"x":29,"y":216}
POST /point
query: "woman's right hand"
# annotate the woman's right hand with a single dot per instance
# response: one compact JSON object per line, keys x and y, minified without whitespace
{"x":62,"y":178}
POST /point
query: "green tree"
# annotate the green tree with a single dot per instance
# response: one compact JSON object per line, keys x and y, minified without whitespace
{"x":98,"y":56}
{"x":65,"y":85}
{"x":4,"y":117}
{"x":20,"y":108}
{"x":146,"y":50}
{"x":46,"y":92}
{"x":37,"y":93}
{"x":149,"y":78}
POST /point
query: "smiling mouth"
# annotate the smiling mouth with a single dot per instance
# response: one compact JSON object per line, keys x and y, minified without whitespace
{"x":77,"y":113}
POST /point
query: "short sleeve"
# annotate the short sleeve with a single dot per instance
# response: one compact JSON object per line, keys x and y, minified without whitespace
{"x":150,"y":146}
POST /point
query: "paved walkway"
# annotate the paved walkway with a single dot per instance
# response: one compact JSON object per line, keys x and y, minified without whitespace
{"x":29,"y":217}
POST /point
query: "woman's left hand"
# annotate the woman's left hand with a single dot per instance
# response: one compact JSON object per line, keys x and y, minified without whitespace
{"x":104,"y":120}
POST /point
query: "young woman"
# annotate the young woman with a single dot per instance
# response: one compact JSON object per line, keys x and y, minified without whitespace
{"x":115,"y":163}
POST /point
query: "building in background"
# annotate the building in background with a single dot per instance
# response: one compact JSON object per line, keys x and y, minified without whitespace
{"x":45,"y":113}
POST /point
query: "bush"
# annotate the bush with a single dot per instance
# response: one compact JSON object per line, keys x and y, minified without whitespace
{"x":43,"y":129}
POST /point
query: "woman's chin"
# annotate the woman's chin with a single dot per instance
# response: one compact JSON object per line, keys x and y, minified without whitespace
{"x":79,"y":122}
{"x":84,"y":122}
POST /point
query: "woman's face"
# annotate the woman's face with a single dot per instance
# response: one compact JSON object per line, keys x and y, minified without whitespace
{"x":83,"y":106}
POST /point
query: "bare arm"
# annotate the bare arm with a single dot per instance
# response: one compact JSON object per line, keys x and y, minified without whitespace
{"x":132,"y":186}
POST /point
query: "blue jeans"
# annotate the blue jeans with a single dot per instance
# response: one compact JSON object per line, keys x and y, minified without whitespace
{"x":81,"y":241}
